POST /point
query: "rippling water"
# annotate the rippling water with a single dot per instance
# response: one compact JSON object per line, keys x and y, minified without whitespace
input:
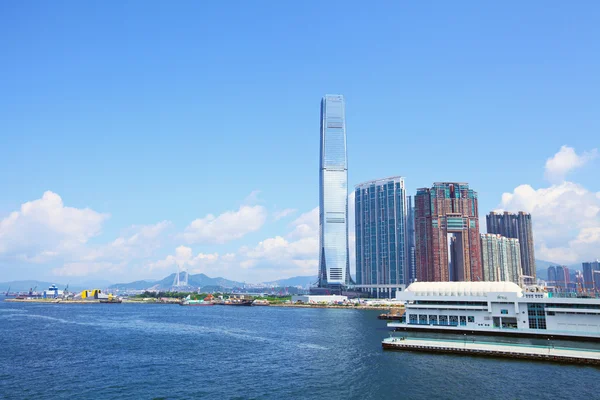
{"x":113,"y":351}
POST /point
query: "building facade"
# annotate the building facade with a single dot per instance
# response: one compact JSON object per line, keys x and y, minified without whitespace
{"x":591,"y":275}
{"x":501,"y":258}
{"x":551,"y":276}
{"x":334,"y":265}
{"x":498,"y":308}
{"x":563,"y":277}
{"x":380,"y":227}
{"x":447,"y":241}
{"x":516,"y":226}
{"x":410,"y":240}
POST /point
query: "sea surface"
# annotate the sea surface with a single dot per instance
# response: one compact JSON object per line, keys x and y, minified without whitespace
{"x":137,"y":351}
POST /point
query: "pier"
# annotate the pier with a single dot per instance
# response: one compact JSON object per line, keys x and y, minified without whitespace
{"x":494,"y":349}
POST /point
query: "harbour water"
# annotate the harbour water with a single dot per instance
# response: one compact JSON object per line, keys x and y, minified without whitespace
{"x":138,"y":351}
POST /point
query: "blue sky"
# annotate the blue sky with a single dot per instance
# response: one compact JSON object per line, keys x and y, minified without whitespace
{"x":142,"y":117}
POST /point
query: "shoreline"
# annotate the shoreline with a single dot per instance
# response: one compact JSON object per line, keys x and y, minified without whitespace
{"x":384,"y":309}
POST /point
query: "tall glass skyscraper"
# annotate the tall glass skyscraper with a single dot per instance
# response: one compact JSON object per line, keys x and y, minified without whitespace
{"x":334,"y":264}
{"x":380,"y":222}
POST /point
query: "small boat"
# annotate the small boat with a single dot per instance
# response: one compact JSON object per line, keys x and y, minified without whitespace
{"x":189,"y":302}
{"x":259,"y":302}
{"x":196,"y":303}
{"x":111,"y":301}
{"x":395,"y":315}
{"x":238,"y":302}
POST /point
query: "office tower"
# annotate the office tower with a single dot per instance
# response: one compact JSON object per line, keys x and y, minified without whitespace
{"x":562,"y":277}
{"x":447,"y":238}
{"x":591,"y":275}
{"x":334,"y":266}
{"x":410,"y":240}
{"x":515,"y":226}
{"x":380,"y":225}
{"x":551,"y":276}
{"x":501,"y":258}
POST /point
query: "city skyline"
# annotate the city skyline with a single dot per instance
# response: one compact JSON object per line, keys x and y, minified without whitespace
{"x":187,"y":139}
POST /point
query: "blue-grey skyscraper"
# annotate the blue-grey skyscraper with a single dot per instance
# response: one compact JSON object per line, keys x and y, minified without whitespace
{"x":334,"y":265}
{"x":381,"y":242}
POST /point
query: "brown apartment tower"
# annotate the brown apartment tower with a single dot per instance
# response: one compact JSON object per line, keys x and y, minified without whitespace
{"x":447,"y":242}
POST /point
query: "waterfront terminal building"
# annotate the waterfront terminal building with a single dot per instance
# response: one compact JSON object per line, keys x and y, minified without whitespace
{"x":497,"y":308}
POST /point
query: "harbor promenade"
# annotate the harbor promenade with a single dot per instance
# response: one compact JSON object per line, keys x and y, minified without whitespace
{"x":494,"y":349}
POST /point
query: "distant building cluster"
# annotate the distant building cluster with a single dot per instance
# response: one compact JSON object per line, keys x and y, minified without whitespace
{"x":432,"y":236}
{"x":562,"y":279}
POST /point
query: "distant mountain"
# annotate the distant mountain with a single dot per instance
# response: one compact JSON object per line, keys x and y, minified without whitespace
{"x":40,"y":286}
{"x":198,"y":280}
{"x":137,"y":285}
{"x":303,"y":281}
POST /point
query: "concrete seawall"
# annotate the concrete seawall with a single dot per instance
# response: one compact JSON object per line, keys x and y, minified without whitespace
{"x":490,"y":349}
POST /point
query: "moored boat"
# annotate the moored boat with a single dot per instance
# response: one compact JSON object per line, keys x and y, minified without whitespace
{"x":189,"y":302}
{"x":196,"y":303}
{"x":237,"y":302}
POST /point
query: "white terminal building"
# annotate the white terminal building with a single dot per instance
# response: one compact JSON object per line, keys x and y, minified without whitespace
{"x":497,"y":308}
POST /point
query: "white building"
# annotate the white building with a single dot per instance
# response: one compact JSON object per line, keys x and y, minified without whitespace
{"x":316,"y":299}
{"x":497,"y":308}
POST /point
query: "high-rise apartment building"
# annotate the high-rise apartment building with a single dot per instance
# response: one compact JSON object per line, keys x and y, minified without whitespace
{"x":410,"y":240}
{"x":551,"y":276}
{"x":501,"y":258}
{"x":334,"y":265}
{"x":447,"y":238}
{"x":563,"y":277}
{"x":591,"y":275}
{"x":380,"y":227}
{"x":515,"y":226}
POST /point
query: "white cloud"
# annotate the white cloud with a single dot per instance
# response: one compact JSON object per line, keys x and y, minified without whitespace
{"x":184,"y":259}
{"x":283,"y":213}
{"x":566,"y":220}
{"x":80,"y":269}
{"x":45,"y":228}
{"x":296,"y":253}
{"x":228,"y":226}
{"x":306,"y":225}
{"x":140,"y":241}
{"x":252,"y":198}
{"x":566,"y":160}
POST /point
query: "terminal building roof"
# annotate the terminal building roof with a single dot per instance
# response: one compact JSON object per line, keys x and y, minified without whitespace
{"x":461,"y":288}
